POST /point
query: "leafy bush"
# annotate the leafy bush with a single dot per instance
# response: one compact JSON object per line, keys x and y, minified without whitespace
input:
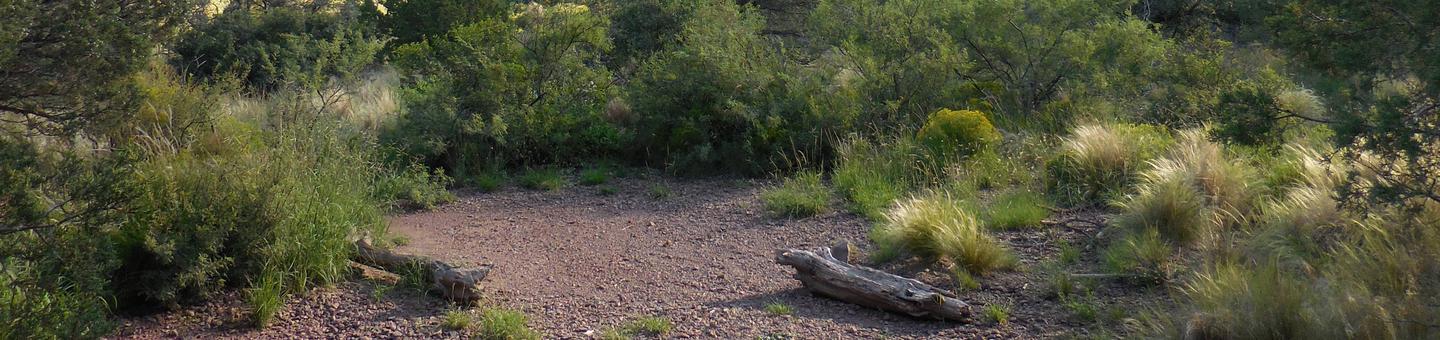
{"x":504,"y":324}
{"x":415,"y":187}
{"x":935,"y":225}
{"x":958,"y":134}
{"x":277,"y":47}
{"x":595,"y":176}
{"x":1015,"y":209}
{"x":525,"y":90}
{"x":804,"y":194}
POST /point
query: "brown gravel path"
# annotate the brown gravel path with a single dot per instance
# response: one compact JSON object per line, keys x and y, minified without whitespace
{"x":579,"y":262}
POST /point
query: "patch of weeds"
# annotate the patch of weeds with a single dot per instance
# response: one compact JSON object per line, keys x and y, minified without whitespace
{"x":505,"y":324}
{"x":1143,"y":255}
{"x":547,"y":179}
{"x":1069,"y":253}
{"x":1016,"y":209}
{"x":486,"y":181}
{"x":873,"y":176}
{"x":1059,"y":284}
{"x":779,"y":308}
{"x":456,"y":320}
{"x":595,"y":176}
{"x":1084,"y":309}
{"x":660,"y":191}
{"x":614,"y":334}
{"x":775,"y":336}
{"x":997,"y":313}
{"x":380,"y":290}
{"x":649,"y":325}
{"x":803,"y":195}
{"x":608,"y":190}
{"x":963,"y":280}
{"x":266,"y":298}
{"x":400,"y":240}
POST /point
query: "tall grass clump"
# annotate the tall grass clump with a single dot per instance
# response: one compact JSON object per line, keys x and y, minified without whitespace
{"x":1168,"y":204}
{"x":936,"y":226}
{"x":801,"y":195}
{"x":1099,"y":162}
{"x":873,"y":175}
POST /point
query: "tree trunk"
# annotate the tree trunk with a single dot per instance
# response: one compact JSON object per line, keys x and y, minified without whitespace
{"x":823,"y":274}
{"x":461,"y":285}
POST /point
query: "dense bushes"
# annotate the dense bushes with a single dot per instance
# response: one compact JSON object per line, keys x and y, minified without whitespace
{"x":277,"y":47}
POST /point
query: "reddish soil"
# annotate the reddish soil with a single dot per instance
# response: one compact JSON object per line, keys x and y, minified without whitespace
{"x":579,"y":262}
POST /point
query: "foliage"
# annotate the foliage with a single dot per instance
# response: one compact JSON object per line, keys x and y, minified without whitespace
{"x":998,"y":314}
{"x":504,"y":324}
{"x":415,"y":187}
{"x":595,"y":176}
{"x":523,"y":90}
{"x":411,"y":21}
{"x":67,"y":66}
{"x":951,"y":134}
{"x":935,"y":225}
{"x":1142,"y":255}
{"x":281,"y":47}
{"x":801,"y":195}
{"x":874,"y":175}
{"x":1168,"y":204}
{"x":649,"y":325}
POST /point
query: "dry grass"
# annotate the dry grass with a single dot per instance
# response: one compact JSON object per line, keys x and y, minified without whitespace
{"x":936,"y":225}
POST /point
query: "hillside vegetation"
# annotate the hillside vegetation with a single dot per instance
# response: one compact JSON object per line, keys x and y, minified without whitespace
{"x":1273,"y":165}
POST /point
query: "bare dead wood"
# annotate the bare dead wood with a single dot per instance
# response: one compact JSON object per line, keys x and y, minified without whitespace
{"x":461,"y":285}
{"x":825,"y":275}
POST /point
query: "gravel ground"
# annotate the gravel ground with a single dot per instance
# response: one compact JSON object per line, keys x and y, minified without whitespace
{"x":579,"y":262}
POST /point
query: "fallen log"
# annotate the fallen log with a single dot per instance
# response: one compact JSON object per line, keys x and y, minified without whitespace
{"x":823,"y":274}
{"x":461,"y":285}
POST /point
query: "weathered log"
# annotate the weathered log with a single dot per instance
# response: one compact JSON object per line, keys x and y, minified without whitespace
{"x":823,"y":274}
{"x":461,"y":285}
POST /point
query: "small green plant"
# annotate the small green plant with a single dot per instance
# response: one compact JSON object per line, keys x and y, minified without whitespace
{"x":266,"y":298}
{"x":649,"y":325}
{"x":595,"y":176}
{"x":799,"y":196}
{"x":1168,"y":204}
{"x":1016,"y":209}
{"x":379,"y":291}
{"x":456,"y":320}
{"x":779,"y":308}
{"x":660,"y":191}
{"x":937,"y":225}
{"x":548,"y":179}
{"x":963,"y":280}
{"x":1084,"y":309}
{"x":614,"y":334}
{"x":505,"y":324}
{"x":487,"y":182}
{"x":1069,"y":253}
{"x":1099,"y":162}
{"x":872,"y":176}
{"x":608,"y":190}
{"x":400,"y":240}
{"x":998,"y":313}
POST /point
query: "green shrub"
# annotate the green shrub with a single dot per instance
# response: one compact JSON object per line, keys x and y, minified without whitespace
{"x":1016,"y":209}
{"x":799,"y":196}
{"x":414,"y":187}
{"x":504,"y":324}
{"x":953,"y":134}
{"x":41,"y":307}
{"x":277,"y":47}
{"x":660,"y":191}
{"x":548,"y":179}
{"x":1233,"y":302}
{"x":935,"y":225}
